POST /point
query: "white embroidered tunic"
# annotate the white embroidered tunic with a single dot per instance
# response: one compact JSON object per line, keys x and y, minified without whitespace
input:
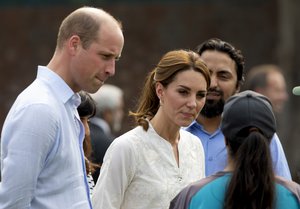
{"x":140,"y":170}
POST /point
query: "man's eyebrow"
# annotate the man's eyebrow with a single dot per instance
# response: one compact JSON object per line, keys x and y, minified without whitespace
{"x":110,"y":54}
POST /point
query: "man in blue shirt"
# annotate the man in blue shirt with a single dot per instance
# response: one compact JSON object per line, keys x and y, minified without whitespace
{"x":42,"y":159}
{"x":226,"y":64}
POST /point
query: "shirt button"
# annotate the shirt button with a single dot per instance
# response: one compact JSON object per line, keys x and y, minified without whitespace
{"x":210,"y":159}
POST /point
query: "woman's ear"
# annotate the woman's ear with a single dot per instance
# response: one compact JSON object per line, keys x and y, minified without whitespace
{"x":159,"y":90}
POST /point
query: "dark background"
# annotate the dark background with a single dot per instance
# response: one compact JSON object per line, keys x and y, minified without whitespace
{"x":267,"y":31}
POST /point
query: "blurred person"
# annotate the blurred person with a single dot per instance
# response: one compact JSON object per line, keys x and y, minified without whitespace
{"x":107,"y":121}
{"x":248,"y":181}
{"x":86,"y":110}
{"x":42,"y":160}
{"x":226,"y":65}
{"x":268,"y":80}
{"x":147,"y":166}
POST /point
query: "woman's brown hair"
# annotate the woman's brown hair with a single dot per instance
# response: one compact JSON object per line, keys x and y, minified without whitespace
{"x":168,"y":67}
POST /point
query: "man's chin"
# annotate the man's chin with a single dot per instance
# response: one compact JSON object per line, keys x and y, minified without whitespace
{"x":212,"y":109}
{"x":93,"y":88}
{"x":211,"y":103}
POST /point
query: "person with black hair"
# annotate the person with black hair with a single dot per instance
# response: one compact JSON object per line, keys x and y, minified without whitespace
{"x":226,"y":64}
{"x":248,"y":181}
{"x":87,"y":110}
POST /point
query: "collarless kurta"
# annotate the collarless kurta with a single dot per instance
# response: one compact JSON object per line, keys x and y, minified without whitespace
{"x":140,"y":170}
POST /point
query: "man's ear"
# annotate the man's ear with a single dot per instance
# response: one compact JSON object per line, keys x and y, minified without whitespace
{"x":73,"y":44}
{"x":238,"y":87}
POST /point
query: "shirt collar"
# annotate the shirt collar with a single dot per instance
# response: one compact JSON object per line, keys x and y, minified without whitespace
{"x":59,"y":86}
{"x":197,"y":125}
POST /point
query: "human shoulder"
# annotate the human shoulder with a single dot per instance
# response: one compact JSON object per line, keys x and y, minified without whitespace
{"x":183,"y":199}
{"x":186,"y":133}
{"x":292,"y":186}
{"x":36,"y":107}
{"x":205,"y":181}
{"x":189,"y":137}
{"x":133,"y":134}
{"x":124,"y":151}
{"x":129,"y":140}
{"x":36,"y":93}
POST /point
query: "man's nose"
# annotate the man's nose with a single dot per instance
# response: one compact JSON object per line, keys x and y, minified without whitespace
{"x":111,"y":67}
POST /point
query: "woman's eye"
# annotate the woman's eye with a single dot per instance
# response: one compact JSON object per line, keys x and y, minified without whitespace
{"x":183,"y":92}
{"x":201,"y":95}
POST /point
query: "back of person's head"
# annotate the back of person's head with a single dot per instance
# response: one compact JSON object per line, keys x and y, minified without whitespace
{"x":216,"y":44}
{"x":248,"y":124}
{"x":165,"y":71}
{"x":110,"y":98}
{"x":84,"y":22}
{"x":87,"y":109}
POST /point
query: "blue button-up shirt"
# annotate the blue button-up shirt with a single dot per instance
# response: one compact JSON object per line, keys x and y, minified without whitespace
{"x":216,"y":153}
{"x":42,"y":160}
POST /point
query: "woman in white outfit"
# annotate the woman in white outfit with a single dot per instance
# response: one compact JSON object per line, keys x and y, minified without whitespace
{"x":147,"y":166}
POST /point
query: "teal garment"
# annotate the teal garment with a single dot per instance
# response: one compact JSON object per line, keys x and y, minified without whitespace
{"x":212,"y":195}
{"x":285,"y":199}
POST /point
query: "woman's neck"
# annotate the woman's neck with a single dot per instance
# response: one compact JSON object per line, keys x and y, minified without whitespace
{"x":165,"y":130}
{"x":168,"y":132}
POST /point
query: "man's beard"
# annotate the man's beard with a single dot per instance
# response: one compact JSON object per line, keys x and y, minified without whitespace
{"x":213,"y":108}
